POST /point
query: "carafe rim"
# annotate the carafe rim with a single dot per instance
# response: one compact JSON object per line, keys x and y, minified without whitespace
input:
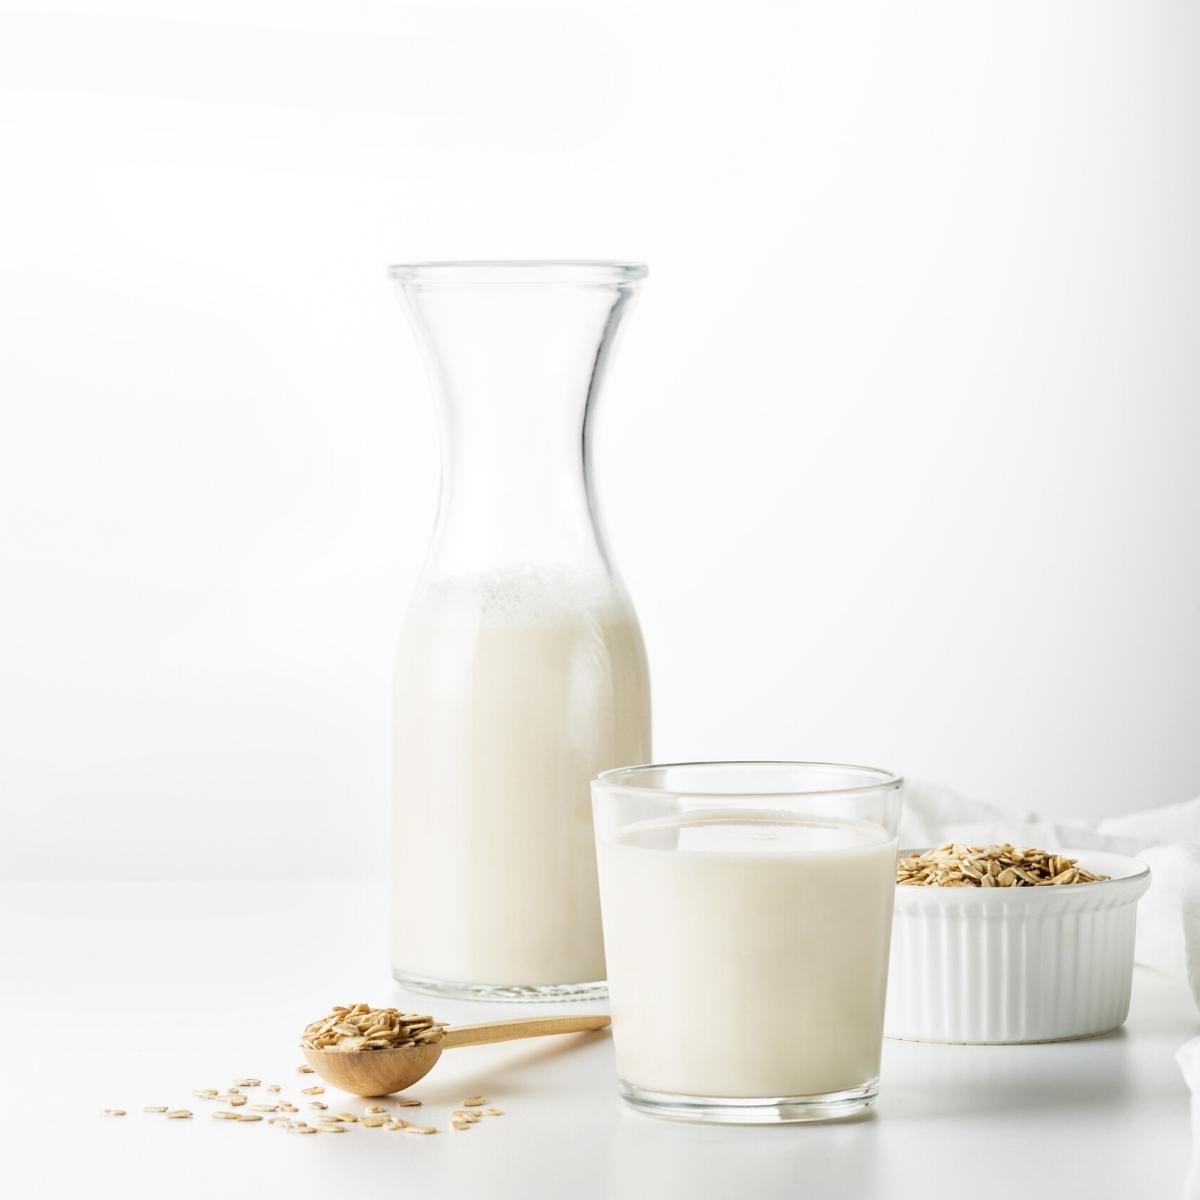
{"x":594,"y":271}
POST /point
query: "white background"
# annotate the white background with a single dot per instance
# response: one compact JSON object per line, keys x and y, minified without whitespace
{"x":898,"y":455}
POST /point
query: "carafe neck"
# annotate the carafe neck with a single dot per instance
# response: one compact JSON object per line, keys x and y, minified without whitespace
{"x":516,"y":355}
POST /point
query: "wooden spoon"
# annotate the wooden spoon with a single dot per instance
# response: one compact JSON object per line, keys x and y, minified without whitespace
{"x":381,"y":1072}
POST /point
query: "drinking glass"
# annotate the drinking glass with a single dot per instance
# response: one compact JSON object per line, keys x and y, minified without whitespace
{"x":747,"y":910}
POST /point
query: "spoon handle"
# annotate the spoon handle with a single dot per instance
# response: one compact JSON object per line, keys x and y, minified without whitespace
{"x":522,"y":1027}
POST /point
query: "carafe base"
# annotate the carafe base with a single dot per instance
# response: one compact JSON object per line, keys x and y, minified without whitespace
{"x":513,"y":993}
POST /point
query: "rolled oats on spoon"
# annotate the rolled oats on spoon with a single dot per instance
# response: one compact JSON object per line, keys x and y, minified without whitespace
{"x":378,"y":1051}
{"x":361,"y":1027}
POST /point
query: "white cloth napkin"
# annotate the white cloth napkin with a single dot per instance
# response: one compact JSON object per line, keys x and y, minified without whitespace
{"x":1188,"y":1057}
{"x":1166,"y":839}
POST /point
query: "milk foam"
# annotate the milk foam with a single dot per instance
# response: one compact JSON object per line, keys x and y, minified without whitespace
{"x":520,"y":595}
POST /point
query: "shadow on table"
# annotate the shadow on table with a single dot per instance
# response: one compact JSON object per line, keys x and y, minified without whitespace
{"x":921,"y":1080}
{"x":519,"y":1069}
{"x":654,"y":1159}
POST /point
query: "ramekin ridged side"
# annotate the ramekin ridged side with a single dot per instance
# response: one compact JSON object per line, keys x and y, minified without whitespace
{"x":1015,"y":964}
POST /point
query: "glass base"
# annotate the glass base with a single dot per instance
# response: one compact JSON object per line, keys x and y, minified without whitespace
{"x":513,"y":993}
{"x":766,"y":1110}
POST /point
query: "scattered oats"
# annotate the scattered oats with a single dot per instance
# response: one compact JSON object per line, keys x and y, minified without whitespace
{"x":305,"y":1069}
{"x":955,"y":865}
{"x":249,"y":1117}
{"x":247,"y":1082}
{"x":376,"y":1108}
{"x":407,"y":1102}
{"x":373,"y":1122}
{"x":459,"y":1123}
{"x":316,"y":1104}
{"x":264,"y":1107}
{"x":303,"y":1129}
{"x":289,"y":1108}
{"x":237,"y":1101}
{"x":235,"y":1091}
{"x":120,"y":1112}
{"x":179,"y":1114}
{"x":155,"y":1108}
{"x":274,"y":1087}
{"x":495,"y":1112}
{"x":347,"y":1117}
{"x":420,"y":1129}
{"x":333,"y":1129}
{"x":278,"y":1121}
{"x":473,"y":1101}
{"x":222,"y":1115}
{"x":313,"y":1091}
{"x":206,"y":1093}
{"x":396,"y":1123}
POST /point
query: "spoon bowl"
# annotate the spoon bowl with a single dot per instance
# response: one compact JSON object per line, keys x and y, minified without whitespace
{"x":374,"y":1072}
{"x":382,"y":1072}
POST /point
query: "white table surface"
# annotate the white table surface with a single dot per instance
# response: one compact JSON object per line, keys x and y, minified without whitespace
{"x":135,"y":994}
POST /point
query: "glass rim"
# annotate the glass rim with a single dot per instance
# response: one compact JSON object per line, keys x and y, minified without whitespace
{"x":594,"y":271}
{"x":882,"y":780}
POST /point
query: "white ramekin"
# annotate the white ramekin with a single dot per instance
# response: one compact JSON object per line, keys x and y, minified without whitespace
{"x":1015,"y":964}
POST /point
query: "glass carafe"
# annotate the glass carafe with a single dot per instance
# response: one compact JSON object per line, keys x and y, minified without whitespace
{"x":521,"y":671}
